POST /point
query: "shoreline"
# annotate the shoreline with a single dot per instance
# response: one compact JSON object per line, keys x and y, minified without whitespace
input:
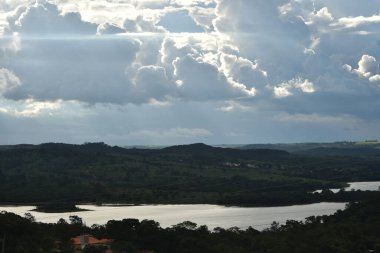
{"x":77,"y":210}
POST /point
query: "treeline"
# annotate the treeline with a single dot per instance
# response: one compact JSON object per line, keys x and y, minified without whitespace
{"x":356,"y":229}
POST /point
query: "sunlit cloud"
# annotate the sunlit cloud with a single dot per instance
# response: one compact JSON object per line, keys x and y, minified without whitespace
{"x":189,"y":69}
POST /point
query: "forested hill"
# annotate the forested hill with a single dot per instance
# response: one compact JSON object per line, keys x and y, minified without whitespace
{"x":64,"y":148}
{"x":198,"y":151}
{"x":205,"y":150}
{"x":196,"y":173}
{"x":346,"y":148}
{"x":191,"y":149}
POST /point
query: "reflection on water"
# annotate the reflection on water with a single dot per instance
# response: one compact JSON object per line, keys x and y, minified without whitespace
{"x":210,"y":215}
{"x":363,"y":186}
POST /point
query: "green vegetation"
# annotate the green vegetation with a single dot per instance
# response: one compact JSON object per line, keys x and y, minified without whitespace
{"x":344,"y":148}
{"x":58,"y":207}
{"x":375,"y":143}
{"x":57,"y":176}
{"x":355,"y":229}
{"x":94,"y":172}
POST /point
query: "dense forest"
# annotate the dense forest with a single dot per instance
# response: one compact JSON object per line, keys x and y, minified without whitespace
{"x":354,"y":230}
{"x":197,"y":173}
{"x":355,"y":148}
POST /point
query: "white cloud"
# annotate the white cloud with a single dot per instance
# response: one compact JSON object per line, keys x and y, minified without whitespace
{"x":146,"y":12}
{"x":141,"y":24}
{"x":316,"y":118}
{"x":375,"y":78}
{"x":262,"y":34}
{"x":284,"y":89}
{"x":60,"y":57}
{"x":323,"y":15}
{"x":225,"y":56}
{"x":9,"y":44}
{"x":242,"y":70}
{"x":202,"y":81}
{"x":368,"y":65}
{"x":100,"y":11}
{"x":149,"y":4}
{"x":303,"y":84}
{"x":179,"y":21}
{"x":233,"y":106}
{"x":194,"y":2}
{"x":33,"y":108}
{"x":198,"y":69}
{"x":30,"y":108}
{"x":368,"y":68}
{"x":44,"y":19}
{"x":3,"y":110}
{"x":152,"y":84}
{"x":203,"y":17}
{"x":108,"y":28}
{"x":8,"y":81}
{"x":282,"y":92}
{"x":354,"y":22}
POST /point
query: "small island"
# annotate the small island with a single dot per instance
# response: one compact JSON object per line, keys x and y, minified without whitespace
{"x":58,"y":208}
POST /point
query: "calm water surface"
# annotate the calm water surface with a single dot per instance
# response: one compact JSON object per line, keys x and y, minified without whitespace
{"x":363,"y":186}
{"x":210,"y":215}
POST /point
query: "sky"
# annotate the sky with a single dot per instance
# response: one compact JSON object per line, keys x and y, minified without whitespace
{"x":164,"y":72}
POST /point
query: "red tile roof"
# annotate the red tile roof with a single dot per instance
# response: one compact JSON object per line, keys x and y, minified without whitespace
{"x":89,"y":240}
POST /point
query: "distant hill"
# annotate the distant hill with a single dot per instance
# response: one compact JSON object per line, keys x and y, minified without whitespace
{"x":201,"y":149}
{"x":190,"y":149}
{"x":196,"y":147}
{"x":365,"y":148}
{"x":251,"y":151}
{"x":340,"y":152}
{"x":63,"y":147}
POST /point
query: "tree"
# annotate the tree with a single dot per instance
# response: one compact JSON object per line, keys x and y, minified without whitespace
{"x":188,"y":225}
{"x":75,"y":220}
{"x":29,"y":217}
{"x":94,"y":249}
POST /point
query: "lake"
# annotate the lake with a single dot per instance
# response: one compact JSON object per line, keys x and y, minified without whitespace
{"x":363,"y":186}
{"x":210,"y":215}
